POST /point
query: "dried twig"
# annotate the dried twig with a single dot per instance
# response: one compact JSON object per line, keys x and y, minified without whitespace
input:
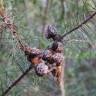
{"x":16,"y":81}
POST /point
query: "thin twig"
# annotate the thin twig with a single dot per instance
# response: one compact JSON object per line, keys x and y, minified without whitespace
{"x":16,"y":81}
{"x":80,"y":25}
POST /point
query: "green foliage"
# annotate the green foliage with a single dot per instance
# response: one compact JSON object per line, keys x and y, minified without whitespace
{"x":79,"y":47}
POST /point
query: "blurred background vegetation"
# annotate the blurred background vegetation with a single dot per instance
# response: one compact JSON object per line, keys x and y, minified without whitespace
{"x":31,"y":18}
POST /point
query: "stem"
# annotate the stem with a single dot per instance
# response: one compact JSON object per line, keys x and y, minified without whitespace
{"x":1,"y":7}
{"x":80,"y":25}
{"x":62,"y":10}
{"x":62,"y":83}
{"x":16,"y":81}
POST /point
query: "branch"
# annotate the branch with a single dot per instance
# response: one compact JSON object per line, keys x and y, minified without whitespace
{"x":80,"y":25}
{"x":45,"y":15}
{"x":16,"y":81}
{"x":62,"y":10}
{"x":1,"y":7}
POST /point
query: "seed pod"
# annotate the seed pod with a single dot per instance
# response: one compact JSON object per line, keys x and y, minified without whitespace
{"x":56,"y":46}
{"x":50,"y":32}
{"x":35,"y":51}
{"x":47,"y":54}
{"x":32,"y":53}
{"x":58,"y":58}
{"x":41,"y":69}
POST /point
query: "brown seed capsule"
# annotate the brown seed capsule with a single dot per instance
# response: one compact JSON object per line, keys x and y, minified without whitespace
{"x":58,"y":58}
{"x":50,"y":32}
{"x":41,"y":69}
{"x":33,"y":55}
{"x":47,"y":54}
{"x":56,"y":46}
